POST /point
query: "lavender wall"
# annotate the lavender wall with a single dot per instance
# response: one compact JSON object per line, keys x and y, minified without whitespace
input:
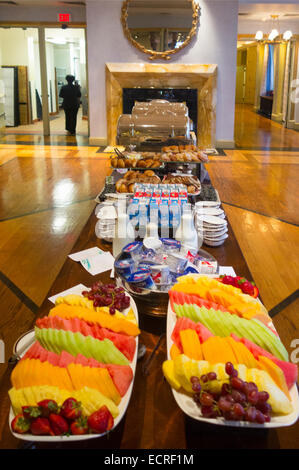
{"x":216,"y":43}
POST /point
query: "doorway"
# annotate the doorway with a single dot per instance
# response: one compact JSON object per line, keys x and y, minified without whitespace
{"x":33,"y":64}
{"x":66,"y":55}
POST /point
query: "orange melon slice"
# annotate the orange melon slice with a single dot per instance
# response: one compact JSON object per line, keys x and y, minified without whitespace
{"x":275,"y":373}
{"x":33,"y":372}
{"x":93,"y":377}
{"x":243,"y":355}
{"x":191,"y":344}
{"x":174,"y":351}
{"x":217,"y":350}
{"x":118,"y":325}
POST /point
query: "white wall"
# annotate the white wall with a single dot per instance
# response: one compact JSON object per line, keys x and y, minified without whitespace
{"x":216,"y":43}
{"x":40,"y":13}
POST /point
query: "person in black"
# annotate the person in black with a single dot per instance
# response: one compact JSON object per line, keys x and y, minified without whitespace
{"x":71,"y":95}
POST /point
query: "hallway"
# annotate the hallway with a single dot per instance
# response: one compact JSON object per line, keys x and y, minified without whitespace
{"x":254,"y":131}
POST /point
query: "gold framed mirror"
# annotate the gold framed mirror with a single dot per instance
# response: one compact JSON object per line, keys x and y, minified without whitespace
{"x":160,"y":28}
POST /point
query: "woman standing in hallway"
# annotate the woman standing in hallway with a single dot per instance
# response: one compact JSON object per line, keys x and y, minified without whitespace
{"x":71,"y":95}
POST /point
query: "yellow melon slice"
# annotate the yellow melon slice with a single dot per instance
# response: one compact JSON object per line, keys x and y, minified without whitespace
{"x":191,"y":344}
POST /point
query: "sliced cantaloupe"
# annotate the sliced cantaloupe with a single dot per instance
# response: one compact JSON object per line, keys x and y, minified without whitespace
{"x":191,"y":344}
{"x":118,"y":325}
{"x":97,"y":378}
{"x":243,"y":355}
{"x":174,"y":351}
{"x":217,"y":350}
{"x":275,"y":373}
{"x":33,"y":372}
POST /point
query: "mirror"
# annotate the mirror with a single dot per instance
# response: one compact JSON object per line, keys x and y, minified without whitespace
{"x":160,"y":28}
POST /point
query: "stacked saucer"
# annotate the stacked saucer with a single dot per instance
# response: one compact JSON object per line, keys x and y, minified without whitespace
{"x":211,"y":225}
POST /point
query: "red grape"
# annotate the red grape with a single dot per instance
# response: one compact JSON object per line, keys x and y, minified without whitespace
{"x":212,"y":376}
{"x":206,"y":399}
{"x":223,"y":404}
{"x":263,"y":397}
{"x":237,"y":383}
{"x":250,"y":414}
{"x":252,"y":397}
{"x":194,"y":379}
{"x":260,"y":418}
{"x":237,"y":411}
{"x":229,"y":368}
{"x":208,"y":412}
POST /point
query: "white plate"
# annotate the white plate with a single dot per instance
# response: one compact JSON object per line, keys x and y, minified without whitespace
{"x":215,"y":239}
{"x":189,"y":407}
{"x":206,"y":204}
{"x":214,"y":242}
{"x":213,"y":234}
{"x":27,"y":339}
{"x":210,"y":211}
{"x":211,"y":220}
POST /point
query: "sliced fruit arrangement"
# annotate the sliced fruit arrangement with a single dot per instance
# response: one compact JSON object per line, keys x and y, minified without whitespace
{"x":231,"y":298}
{"x":210,"y":332}
{"x":178,"y":373}
{"x":223,"y":324}
{"x":121,"y":375}
{"x":118,"y":325}
{"x":81,"y":351}
{"x":216,"y":349}
{"x":48,"y":418}
{"x":126,"y":344}
{"x":81,"y":301}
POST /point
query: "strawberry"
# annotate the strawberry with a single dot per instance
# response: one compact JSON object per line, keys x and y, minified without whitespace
{"x":80,"y":426}
{"x":20,"y":424}
{"x":71,"y":409}
{"x":255,"y":292}
{"x":101,"y":420}
{"x":41,"y":426}
{"x":227,"y":280}
{"x":47,"y":406}
{"x":246,"y":287}
{"x":58,"y":424}
{"x":31,"y":412}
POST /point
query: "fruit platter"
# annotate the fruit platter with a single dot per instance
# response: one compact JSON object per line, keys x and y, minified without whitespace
{"x":225,"y":363}
{"x":75,"y":380}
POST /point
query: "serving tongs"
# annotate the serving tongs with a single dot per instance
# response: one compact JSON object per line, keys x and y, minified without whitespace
{"x":119,"y":153}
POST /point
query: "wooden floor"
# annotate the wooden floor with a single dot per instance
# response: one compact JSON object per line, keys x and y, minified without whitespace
{"x":47,"y":191}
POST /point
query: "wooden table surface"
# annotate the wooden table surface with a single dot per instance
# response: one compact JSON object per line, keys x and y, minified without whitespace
{"x":153,"y":420}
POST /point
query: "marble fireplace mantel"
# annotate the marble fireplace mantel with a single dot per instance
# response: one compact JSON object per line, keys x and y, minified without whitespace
{"x":197,"y":76}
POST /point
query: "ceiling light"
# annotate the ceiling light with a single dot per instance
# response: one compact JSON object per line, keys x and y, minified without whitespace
{"x":259,"y":35}
{"x":274,"y":33}
{"x":287,"y":35}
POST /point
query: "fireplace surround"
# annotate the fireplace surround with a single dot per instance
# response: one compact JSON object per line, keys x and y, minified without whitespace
{"x":200,"y":77}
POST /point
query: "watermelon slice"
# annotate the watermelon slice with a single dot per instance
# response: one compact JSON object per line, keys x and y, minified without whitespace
{"x":185,"y":323}
{"x":289,"y":369}
{"x":180,"y":298}
{"x":126,"y":344}
{"x":121,"y":375}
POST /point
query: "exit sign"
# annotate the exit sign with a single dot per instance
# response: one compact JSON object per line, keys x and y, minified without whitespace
{"x":64,"y":17}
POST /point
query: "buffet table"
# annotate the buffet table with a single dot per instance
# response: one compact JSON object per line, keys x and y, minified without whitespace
{"x":153,"y":420}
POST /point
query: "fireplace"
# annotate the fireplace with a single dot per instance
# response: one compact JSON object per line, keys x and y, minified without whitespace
{"x":196,"y":77}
